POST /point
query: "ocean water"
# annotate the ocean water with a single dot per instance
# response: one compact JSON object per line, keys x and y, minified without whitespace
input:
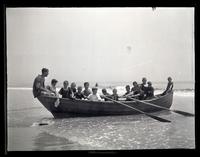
{"x":24,"y":114}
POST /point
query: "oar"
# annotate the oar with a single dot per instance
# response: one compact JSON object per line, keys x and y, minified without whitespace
{"x":147,"y":114}
{"x":176,"y":111}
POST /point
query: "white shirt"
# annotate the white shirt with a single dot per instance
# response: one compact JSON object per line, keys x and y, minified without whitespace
{"x":95,"y":97}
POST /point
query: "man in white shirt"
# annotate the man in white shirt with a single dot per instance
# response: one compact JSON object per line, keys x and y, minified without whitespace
{"x":94,"y":96}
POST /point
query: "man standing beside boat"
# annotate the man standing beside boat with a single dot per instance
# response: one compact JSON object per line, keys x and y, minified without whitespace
{"x":39,"y":86}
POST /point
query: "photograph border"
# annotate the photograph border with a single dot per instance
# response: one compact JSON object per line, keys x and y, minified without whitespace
{"x":71,"y":3}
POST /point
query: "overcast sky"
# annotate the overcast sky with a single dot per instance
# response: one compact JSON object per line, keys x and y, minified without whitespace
{"x":100,"y":44}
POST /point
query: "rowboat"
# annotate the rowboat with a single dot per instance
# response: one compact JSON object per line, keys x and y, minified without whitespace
{"x":86,"y":108}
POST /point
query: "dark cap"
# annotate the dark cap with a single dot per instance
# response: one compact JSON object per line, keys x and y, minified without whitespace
{"x":127,"y":86}
{"x":169,"y":78}
{"x":66,"y":82}
{"x":53,"y":81}
{"x":134,"y":82}
{"x":85,"y":83}
{"x":149,"y":82}
{"x":104,"y":90}
{"x":44,"y":70}
{"x":144,"y":78}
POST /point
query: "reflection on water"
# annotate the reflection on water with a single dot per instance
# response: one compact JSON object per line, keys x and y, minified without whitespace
{"x":45,"y":141}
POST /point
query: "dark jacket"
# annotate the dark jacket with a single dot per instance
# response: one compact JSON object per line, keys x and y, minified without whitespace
{"x":79,"y":95}
{"x":65,"y":93}
{"x":149,"y":92}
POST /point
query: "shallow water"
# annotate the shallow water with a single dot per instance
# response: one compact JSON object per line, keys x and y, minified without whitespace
{"x":96,"y":133}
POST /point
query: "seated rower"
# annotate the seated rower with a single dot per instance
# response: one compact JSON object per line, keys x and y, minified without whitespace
{"x":143,"y":88}
{"x":144,"y":83}
{"x":104,"y":91}
{"x":65,"y":91}
{"x":79,"y":94}
{"x":136,"y":90}
{"x":170,"y":86}
{"x":94,"y":96}
{"x":128,"y":93}
{"x":115,"y":96}
{"x":149,"y":91}
{"x":86,"y":91}
{"x":52,"y":88}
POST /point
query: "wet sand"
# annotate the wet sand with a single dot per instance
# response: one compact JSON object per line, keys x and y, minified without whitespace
{"x":24,"y":139}
{"x":33,"y":139}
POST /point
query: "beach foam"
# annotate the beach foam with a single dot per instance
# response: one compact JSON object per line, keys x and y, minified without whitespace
{"x":19,"y":88}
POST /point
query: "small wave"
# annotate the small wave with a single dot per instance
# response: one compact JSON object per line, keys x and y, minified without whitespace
{"x":19,"y":88}
{"x":184,"y":90}
{"x":185,"y":94}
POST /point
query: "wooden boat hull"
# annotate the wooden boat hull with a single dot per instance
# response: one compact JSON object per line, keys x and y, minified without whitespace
{"x":86,"y":108}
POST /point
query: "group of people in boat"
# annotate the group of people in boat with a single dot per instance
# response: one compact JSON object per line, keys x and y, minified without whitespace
{"x":141,"y":91}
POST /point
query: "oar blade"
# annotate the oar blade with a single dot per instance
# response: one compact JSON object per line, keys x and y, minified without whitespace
{"x":158,"y":118}
{"x":184,"y":113}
